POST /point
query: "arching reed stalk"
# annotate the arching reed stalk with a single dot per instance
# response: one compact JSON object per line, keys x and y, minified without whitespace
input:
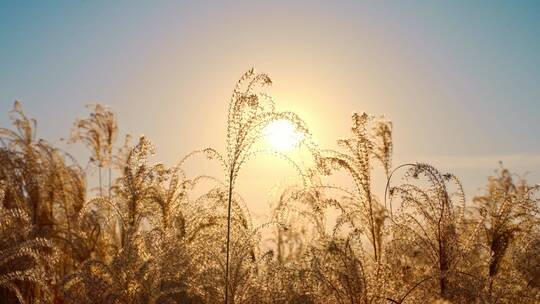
{"x":431,"y":222}
{"x":508,"y":214}
{"x":250,"y":110}
{"x":98,"y":132}
{"x":372,"y":140}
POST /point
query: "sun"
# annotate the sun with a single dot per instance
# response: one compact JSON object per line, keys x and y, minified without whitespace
{"x":282,"y":135}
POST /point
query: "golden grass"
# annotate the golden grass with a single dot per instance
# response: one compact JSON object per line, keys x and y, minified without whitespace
{"x":151,"y":239}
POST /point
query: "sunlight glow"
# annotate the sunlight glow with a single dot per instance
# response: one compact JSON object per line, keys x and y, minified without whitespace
{"x":282,"y":135}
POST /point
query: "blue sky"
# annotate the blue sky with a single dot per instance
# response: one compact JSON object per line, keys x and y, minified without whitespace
{"x":459,"y":79}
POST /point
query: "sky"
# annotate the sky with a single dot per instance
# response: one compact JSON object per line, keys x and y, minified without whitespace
{"x":459,"y":79}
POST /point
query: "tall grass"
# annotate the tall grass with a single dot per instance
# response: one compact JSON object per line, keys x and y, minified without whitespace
{"x":158,"y":235}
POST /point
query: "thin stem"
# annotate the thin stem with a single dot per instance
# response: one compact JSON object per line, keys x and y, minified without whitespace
{"x":372,"y":225}
{"x":388,"y":184}
{"x":110,"y":181}
{"x":228,"y":235}
{"x":100,"y":187}
{"x":413,"y":288}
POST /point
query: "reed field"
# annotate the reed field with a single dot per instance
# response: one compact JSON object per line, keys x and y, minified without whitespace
{"x":138,"y":231}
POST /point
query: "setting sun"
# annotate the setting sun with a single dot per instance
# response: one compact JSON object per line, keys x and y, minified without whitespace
{"x":265,"y":152}
{"x":282,"y":135}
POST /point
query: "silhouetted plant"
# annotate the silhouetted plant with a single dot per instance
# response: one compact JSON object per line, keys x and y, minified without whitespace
{"x":46,"y":185}
{"x":24,"y":258}
{"x":372,"y":139}
{"x":160,"y":237}
{"x":428,"y":244}
{"x":249,"y":112}
{"x":509,"y":215}
{"x":98,"y":132}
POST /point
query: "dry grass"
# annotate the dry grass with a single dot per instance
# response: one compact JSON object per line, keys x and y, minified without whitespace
{"x":151,"y":239}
